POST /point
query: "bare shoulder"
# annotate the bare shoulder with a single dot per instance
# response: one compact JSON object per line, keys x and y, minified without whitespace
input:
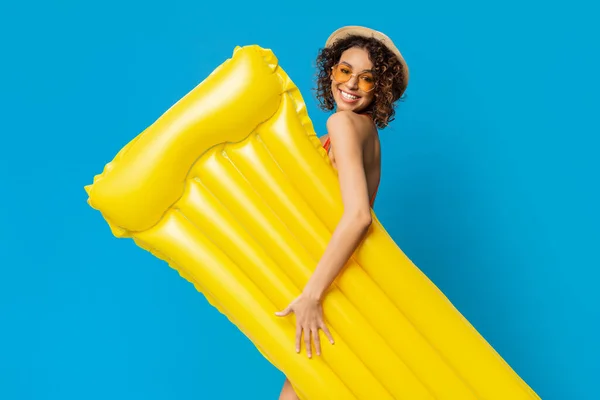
{"x":348,"y":124}
{"x":343,"y":118}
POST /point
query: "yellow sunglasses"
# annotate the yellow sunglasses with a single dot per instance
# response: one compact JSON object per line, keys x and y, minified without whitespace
{"x":342,"y":73}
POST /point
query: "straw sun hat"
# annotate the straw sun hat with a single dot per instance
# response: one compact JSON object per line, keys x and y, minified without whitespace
{"x":370,"y":33}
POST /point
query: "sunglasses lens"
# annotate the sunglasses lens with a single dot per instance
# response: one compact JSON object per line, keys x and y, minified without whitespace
{"x":343,"y":73}
{"x":366,"y":83}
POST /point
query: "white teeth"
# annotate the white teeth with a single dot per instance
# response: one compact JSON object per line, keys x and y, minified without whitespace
{"x":348,"y":96}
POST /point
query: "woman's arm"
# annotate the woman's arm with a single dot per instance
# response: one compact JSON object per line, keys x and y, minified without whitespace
{"x":355,"y":221}
{"x":356,"y":218}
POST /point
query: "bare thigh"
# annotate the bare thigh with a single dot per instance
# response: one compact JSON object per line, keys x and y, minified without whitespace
{"x":287,"y":392}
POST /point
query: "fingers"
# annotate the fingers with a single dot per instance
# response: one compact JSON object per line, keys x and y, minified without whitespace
{"x":307,"y":343}
{"x":327,"y":333}
{"x":298,"y":337}
{"x":307,"y":325}
{"x":285,"y":312}
{"x":316,"y":340}
{"x":315,"y":335}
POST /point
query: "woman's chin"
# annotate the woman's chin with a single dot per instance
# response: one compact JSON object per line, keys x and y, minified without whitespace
{"x":344,"y":106}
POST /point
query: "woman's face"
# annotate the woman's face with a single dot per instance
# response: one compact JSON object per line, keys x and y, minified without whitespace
{"x":352,"y":90}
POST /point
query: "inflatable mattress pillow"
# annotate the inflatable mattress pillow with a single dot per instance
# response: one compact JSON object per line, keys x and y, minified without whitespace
{"x":232,"y":188}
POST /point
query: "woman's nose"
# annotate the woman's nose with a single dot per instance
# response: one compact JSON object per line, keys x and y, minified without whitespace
{"x":352,"y":82}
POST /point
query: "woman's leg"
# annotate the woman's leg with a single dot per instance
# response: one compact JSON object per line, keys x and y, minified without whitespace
{"x":287,"y":393}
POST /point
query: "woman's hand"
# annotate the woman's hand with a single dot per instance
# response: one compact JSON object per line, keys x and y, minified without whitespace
{"x":309,"y":319}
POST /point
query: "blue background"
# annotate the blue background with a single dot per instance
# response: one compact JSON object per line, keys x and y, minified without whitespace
{"x":490,"y":185}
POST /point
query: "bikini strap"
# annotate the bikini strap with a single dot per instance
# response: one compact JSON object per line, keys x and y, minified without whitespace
{"x":327,"y":144}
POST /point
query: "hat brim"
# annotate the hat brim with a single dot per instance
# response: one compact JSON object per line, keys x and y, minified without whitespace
{"x":370,"y":33}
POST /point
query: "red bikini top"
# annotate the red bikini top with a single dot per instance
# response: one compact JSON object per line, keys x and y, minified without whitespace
{"x":326,"y":146}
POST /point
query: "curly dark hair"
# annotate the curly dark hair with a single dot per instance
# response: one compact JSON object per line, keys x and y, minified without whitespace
{"x":387,"y":69}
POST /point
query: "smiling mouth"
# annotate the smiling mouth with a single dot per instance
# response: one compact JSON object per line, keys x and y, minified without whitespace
{"x":348,"y":97}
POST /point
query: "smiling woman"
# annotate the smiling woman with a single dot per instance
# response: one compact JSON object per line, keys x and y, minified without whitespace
{"x":361,"y":76}
{"x":363,"y":63}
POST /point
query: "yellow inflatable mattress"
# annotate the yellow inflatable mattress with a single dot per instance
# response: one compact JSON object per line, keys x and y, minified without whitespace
{"x":232,"y":188}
